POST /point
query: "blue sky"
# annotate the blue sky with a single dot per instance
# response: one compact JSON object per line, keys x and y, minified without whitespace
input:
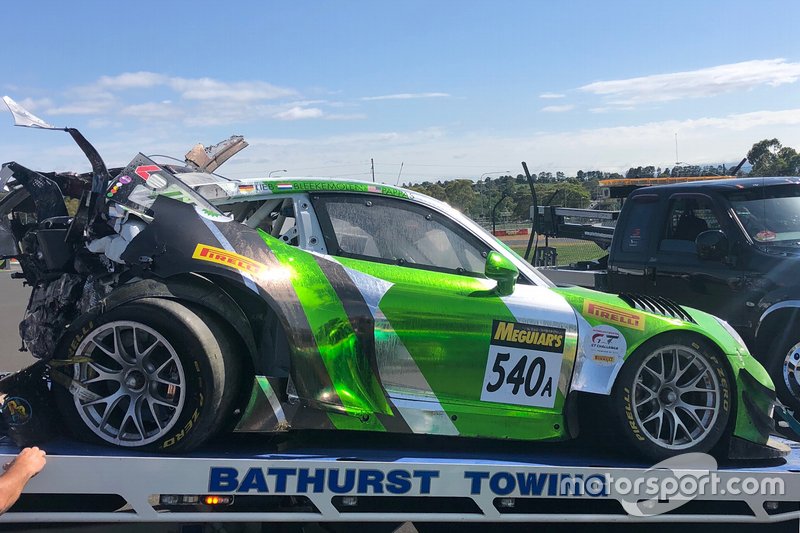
{"x":449,"y":88}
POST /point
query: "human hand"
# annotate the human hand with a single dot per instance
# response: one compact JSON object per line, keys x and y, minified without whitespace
{"x":29,"y":462}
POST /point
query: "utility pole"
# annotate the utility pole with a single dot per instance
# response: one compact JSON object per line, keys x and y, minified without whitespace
{"x":372,"y":161}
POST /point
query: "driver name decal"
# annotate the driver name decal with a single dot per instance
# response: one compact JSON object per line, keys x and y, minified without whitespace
{"x":523,"y":365}
{"x":204,"y":252}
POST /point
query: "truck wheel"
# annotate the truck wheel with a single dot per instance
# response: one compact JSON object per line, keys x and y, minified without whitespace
{"x":672,"y":396}
{"x":152,"y":375}
{"x":784,"y":369}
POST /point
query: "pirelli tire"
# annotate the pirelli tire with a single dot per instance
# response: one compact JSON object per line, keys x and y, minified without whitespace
{"x":153,"y":374}
{"x":672,"y":396}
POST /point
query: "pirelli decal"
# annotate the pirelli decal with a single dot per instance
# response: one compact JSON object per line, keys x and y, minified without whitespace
{"x":220,"y":256}
{"x":613,"y":315}
{"x":518,"y":335}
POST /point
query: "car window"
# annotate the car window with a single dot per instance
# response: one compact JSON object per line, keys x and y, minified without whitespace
{"x":396,"y":231}
{"x":687,"y":218}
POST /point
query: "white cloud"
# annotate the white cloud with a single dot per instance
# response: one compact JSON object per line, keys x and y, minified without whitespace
{"x":405,"y":96}
{"x":558,"y":108}
{"x":551,"y":96}
{"x":152,"y":110}
{"x":132,"y":80}
{"x":243,"y":91}
{"x":696,"y":83}
{"x":299,"y":113}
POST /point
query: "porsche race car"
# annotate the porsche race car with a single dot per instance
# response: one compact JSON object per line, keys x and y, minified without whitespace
{"x":174,"y":304}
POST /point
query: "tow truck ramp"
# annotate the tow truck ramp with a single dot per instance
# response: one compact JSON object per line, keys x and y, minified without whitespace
{"x":83,"y":484}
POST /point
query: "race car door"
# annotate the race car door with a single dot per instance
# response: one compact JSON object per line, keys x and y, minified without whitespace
{"x":451,"y":354}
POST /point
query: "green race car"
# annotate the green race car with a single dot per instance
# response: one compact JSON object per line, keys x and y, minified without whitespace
{"x":177,"y":304}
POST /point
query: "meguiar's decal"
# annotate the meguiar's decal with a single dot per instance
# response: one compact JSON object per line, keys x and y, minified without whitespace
{"x":515,"y":334}
{"x":212,"y":254}
{"x":523,"y":365}
{"x":614,"y":315}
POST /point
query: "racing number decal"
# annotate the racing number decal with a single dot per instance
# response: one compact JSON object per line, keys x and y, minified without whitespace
{"x":523,"y":365}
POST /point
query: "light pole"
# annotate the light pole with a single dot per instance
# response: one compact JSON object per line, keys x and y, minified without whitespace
{"x":483,"y":205}
{"x":271,"y":172}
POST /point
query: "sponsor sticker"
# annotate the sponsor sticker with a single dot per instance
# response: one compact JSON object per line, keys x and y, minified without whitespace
{"x":523,"y":364}
{"x":212,"y":254}
{"x":17,"y":411}
{"x":606,"y":344}
{"x":614,"y":315}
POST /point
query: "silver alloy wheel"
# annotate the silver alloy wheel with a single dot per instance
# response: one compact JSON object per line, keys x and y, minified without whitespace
{"x":676,"y":398}
{"x":129,"y":387}
{"x":791,"y":370}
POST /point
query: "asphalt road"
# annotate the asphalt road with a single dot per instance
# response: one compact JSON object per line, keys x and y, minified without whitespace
{"x":13,"y":301}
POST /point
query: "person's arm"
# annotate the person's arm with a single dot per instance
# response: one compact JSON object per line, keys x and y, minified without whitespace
{"x":28,"y":463}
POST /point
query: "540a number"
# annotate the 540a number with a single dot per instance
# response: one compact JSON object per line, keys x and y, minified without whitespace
{"x":527,"y":375}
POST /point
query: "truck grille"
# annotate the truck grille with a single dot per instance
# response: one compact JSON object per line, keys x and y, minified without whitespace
{"x":656,"y":304}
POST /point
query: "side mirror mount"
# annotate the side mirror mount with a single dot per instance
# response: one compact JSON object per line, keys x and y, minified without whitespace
{"x":712,"y":245}
{"x":503,"y":271}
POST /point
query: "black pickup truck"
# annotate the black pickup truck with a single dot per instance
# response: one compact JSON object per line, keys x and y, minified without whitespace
{"x":729,"y":247}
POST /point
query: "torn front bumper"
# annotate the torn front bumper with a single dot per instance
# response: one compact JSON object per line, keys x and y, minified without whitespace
{"x":754,"y":421}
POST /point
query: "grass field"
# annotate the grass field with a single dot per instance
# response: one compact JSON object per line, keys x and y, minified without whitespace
{"x":568,"y":250}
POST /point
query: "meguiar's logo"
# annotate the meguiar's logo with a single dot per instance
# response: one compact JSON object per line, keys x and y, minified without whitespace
{"x":614,"y":315}
{"x":204,"y":252}
{"x":521,"y":335}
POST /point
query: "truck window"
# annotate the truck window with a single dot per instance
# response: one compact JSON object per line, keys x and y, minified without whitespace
{"x":687,"y":218}
{"x":638,"y":226}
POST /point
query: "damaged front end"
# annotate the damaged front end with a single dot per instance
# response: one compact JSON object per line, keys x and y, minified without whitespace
{"x":69,"y":231}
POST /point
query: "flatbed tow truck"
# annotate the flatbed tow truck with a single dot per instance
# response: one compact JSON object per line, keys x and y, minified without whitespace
{"x":244,"y":480}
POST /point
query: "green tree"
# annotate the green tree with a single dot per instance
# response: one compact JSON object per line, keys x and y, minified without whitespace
{"x":770,"y":158}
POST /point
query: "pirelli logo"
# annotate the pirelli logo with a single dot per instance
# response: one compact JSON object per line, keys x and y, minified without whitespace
{"x":614,"y":315}
{"x":204,"y":252}
{"x":518,"y":335}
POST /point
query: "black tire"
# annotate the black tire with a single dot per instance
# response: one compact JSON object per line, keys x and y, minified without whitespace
{"x":631,"y":410}
{"x":193,"y":349}
{"x":783,"y":364}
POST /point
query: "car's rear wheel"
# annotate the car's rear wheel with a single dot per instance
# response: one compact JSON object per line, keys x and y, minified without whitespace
{"x":672,"y":396}
{"x":152,"y":374}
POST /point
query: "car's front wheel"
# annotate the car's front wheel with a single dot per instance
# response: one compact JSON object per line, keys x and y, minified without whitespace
{"x":152,"y":374}
{"x":672,"y":396}
{"x":784,"y":369}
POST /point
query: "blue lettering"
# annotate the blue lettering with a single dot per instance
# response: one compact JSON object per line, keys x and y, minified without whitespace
{"x":531,"y":485}
{"x":552,"y":484}
{"x":281,"y":474}
{"x":253,"y":479}
{"x":222,"y":479}
{"x":370,"y":478}
{"x":494,"y":483}
{"x":347,"y":486}
{"x":304,"y":479}
{"x":425,"y":477}
{"x":398,"y":482}
{"x":476,"y":478}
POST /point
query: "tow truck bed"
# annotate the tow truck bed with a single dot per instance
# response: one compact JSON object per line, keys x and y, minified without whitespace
{"x":297,"y":481}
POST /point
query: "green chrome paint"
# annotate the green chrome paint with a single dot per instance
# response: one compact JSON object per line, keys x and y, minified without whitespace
{"x":445,"y":322}
{"x":342,"y":355}
{"x":503,"y":271}
{"x":333,"y":186}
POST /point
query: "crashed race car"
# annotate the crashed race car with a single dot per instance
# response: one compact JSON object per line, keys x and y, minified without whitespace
{"x":174,"y":304}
